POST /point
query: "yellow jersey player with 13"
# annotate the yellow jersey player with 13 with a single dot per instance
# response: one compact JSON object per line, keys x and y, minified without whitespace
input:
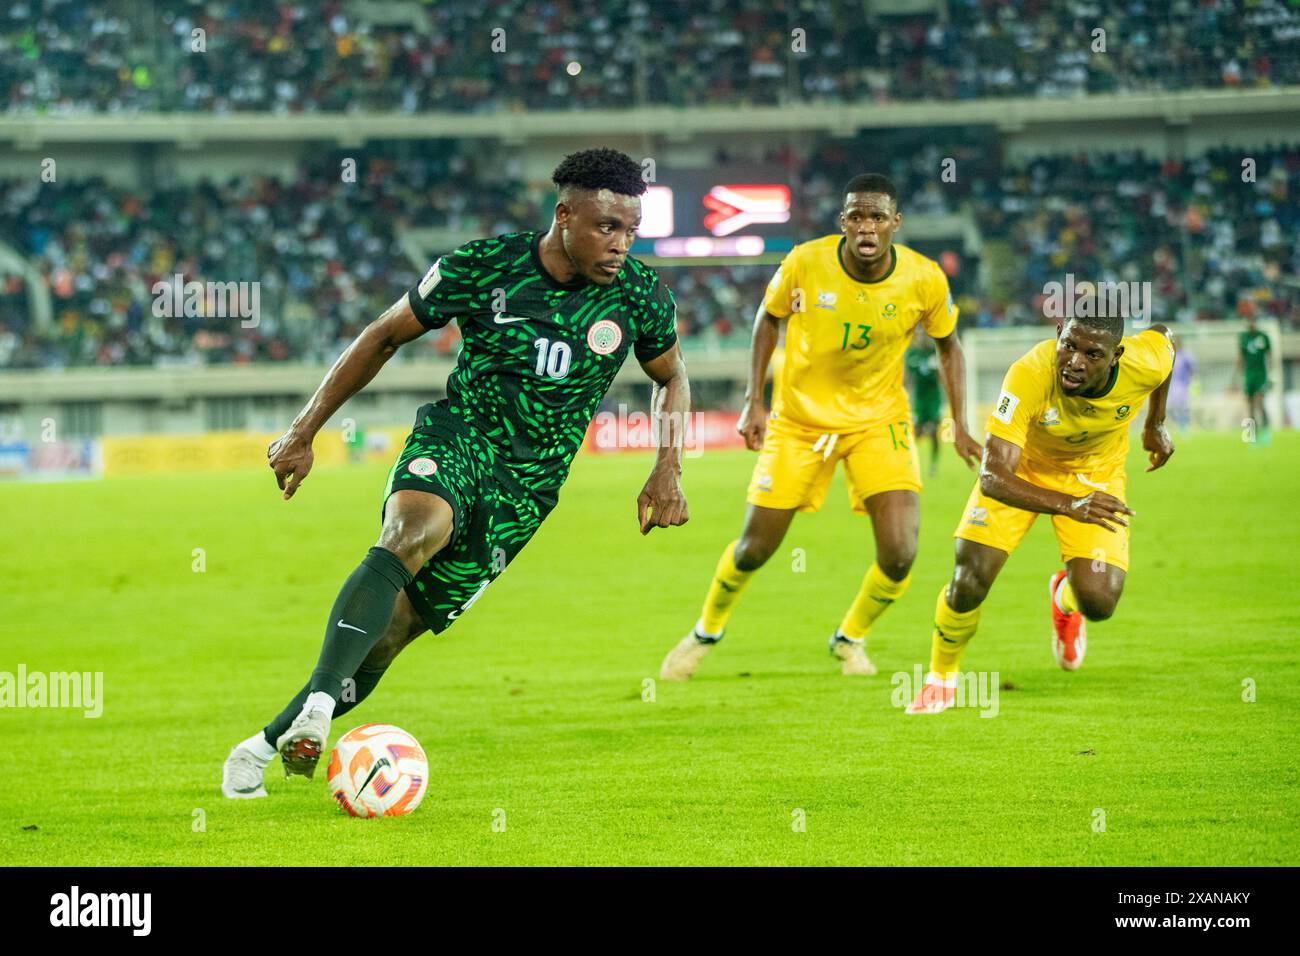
{"x":850,"y":303}
{"x":1057,"y":443}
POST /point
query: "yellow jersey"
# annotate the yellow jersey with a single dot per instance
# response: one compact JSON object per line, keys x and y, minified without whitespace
{"x":1072,"y":433}
{"x":845,"y":339}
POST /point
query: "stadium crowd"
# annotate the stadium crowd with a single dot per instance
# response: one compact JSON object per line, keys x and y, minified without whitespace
{"x":1213,"y":241}
{"x":328,"y":256}
{"x":61,"y":56}
{"x":324,"y":252}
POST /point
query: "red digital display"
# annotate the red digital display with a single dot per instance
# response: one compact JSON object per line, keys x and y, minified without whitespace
{"x":733,"y":207}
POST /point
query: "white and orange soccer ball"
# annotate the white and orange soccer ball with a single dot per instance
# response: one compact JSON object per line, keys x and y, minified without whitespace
{"x":378,"y":770}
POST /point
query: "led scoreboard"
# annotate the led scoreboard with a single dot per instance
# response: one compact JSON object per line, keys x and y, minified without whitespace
{"x":717,"y":212}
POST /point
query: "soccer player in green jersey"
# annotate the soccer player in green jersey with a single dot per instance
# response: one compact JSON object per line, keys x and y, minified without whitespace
{"x":547,"y":320}
{"x":922,"y":363}
{"x":1253,"y":350}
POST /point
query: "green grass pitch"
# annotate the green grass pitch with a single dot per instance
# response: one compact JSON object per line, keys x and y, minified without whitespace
{"x":533,"y":703}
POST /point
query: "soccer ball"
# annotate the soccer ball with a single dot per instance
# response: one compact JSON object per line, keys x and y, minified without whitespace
{"x":378,"y":770}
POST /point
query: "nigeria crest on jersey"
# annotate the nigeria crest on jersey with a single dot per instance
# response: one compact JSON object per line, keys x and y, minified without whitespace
{"x":604,"y":337}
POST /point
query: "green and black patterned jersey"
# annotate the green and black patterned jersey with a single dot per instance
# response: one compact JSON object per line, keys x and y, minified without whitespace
{"x":537,"y":355}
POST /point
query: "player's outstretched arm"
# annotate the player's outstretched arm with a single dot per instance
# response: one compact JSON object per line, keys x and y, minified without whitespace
{"x":1155,"y":437}
{"x":753,"y":417}
{"x":999,"y":481}
{"x":662,"y":504}
{"x":290,"y":456}
{"x":952,"y":370}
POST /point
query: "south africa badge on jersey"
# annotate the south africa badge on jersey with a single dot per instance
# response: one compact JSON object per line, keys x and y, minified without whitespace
{"x":604,"y":337}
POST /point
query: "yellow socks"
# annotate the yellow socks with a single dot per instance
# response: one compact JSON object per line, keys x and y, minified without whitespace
{"x":878,"y":591}
{"x":951,"y":632}
{"x":728,"y":582}
{"x":1064,"y":597}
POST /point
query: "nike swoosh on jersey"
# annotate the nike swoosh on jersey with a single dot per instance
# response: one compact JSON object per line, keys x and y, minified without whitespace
{"x":507,"y":319}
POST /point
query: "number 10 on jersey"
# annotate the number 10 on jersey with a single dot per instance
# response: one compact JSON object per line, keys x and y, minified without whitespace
{"x":553,"y":358}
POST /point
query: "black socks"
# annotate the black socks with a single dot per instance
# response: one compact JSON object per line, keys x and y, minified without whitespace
{"x":361,"y":614}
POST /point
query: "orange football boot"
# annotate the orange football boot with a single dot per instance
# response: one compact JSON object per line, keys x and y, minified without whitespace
{"x":936,"y":696}
{"x":1069,"y":631}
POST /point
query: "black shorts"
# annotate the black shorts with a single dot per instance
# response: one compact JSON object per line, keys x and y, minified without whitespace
{"x":494,"y":515}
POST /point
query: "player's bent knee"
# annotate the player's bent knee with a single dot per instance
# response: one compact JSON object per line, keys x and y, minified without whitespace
{"x":413,"y":546}
{"x":1097,"y":595}
{"x":898,"y":564}
{"x":417,"y":537}
{"x":1097,"y":606}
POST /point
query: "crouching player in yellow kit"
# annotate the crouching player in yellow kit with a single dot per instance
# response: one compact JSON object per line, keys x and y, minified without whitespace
{"x":1057,"y":441}
{"x":850,"y":303}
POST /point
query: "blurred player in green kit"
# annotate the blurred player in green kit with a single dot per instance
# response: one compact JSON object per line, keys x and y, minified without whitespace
{"x":1254,"y":349}
{"x":922,"y":363}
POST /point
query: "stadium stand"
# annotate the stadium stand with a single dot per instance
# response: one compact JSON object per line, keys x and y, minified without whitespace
{"x":328,"y":257}
{"x":307,"y":57}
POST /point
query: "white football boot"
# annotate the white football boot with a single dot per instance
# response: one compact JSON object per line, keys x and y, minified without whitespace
{"x":685,"y":657}
{"x":852,"y":653}
{"x":303,"y":743}
{"x":241,"y":777}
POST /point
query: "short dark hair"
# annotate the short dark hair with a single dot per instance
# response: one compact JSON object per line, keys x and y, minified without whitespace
{"x":601,"y":168}
{"x":1114,"y":324}
{"x":872,"y":183}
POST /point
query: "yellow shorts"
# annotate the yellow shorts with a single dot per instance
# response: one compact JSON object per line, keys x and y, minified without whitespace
{"x":796,"y":464}
{"x":1001,"y":526}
